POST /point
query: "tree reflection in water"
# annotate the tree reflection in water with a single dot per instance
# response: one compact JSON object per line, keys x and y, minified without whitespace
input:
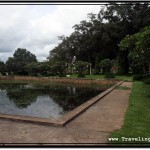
{"x":67,"y":97}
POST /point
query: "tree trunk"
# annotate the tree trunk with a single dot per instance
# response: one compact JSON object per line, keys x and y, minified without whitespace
{"x":90,"y":69}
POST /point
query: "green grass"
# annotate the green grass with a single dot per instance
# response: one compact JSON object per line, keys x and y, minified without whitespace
{"x":137,"y":118}
{"x":90,"y":76}
{"x":123,"y":77}
{"x":126,"y":78}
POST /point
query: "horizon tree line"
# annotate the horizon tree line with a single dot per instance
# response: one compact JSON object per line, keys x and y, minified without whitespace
{"x":110,"y":39}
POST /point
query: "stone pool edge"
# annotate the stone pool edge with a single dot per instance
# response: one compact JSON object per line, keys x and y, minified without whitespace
{"x":64,"y":119}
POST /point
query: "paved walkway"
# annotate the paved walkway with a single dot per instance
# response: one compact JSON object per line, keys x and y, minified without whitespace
{"x":93,"y":126}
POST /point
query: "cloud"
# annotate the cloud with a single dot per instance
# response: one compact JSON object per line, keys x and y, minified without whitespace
{"x":36,"y":27}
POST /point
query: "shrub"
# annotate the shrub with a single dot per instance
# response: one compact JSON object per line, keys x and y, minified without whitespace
{"x":80,"y":75}
{"x":109,"y":75}
{"x":140,"y":77}
{"x":62,"y":75}
{"x":106,"y":65}
{"x":81,"y":66}
{"x":137,"y":77}
{"x":147,"y":80}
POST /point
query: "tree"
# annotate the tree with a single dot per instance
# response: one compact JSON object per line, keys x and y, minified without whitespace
{"x":81,"y":66}
{"x":138,"y":46}
{"x":130,"y":18}
{"x":59,"y":67}
{"x":106,"y":65}
{"x":39,"y":68}
{"x":32,"y":68}
{"x":2,"y":68}
{"x":98,"y":39}
{"x":143,"y":48}
{"x":20,"y":59}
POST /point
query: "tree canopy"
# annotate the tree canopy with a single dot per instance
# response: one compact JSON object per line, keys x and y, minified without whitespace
{"x":118,"y":33}
{"x":20,"y":59}
{"x":138,"y":46}
{"x":99,"y":37}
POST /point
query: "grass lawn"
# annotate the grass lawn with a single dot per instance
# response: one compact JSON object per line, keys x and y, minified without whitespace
{"x":123,"y":77}
{"x":137,"y":118}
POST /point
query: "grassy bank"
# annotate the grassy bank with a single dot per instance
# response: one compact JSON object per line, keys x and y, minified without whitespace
{"x":46,"y":84}
{"x":123,"y":77}
{"x":137,"y":118}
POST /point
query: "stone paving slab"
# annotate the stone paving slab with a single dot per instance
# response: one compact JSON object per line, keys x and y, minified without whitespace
{"x":60,"y":135}
{"x":92,"y":126}
{"x":116,"y":98}
{"x":87,"y":136}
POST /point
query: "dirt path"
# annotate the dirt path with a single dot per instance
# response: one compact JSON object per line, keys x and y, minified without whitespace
{"x":93,"y":126}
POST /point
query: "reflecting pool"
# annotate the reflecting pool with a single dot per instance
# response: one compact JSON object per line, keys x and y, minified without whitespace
{"x":43,"y":100}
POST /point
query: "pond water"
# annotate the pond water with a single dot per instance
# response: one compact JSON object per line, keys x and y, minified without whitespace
{"x":44,"y":101}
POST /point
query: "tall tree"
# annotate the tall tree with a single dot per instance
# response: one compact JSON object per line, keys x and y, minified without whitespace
{"x":138,"y":46}
{"x":130,"y":18}
{"x":20,"y":59}
{"x":98,"y":39}
{"x":2,"y":68}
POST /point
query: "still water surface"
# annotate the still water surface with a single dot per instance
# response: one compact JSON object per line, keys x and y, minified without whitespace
{"x":45,"y":101}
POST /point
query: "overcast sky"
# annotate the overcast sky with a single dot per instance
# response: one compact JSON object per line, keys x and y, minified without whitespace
{"x":36,"y":27}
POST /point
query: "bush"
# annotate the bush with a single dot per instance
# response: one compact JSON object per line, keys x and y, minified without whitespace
{"x":137,"y":77}
{"x":106,"y":65}
{"x":109,"y":75}
{"x":80,"y":75}
{"x":62,"y":75}
{"x":147,"y":80}
{"x":140,"y":77}
{"x":81,"y":68}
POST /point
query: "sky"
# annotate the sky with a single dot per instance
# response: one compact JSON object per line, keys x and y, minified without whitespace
{"x":37,"y":27}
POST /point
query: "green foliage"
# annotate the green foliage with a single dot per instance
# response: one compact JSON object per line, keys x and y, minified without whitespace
{"x":96,"y":39}
{"x":106,"y":66}
{"x":2,"y":68}
{"x":137,"y":77}
{"x":46,"y":68}
{"x":147,"y":80}
{"x":141,"y":77}
{"x":59,"y":68}
{"x":138,"y":47}
{"x":81,"y":75}
{"x":130,"y":18}
{"x":81,"y":66}
{"x":109,"y":75}
{"x":10,"y":64}
{"x":97,"y":69}
{"x":32,"y":68}
{"x":20,"y":59}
